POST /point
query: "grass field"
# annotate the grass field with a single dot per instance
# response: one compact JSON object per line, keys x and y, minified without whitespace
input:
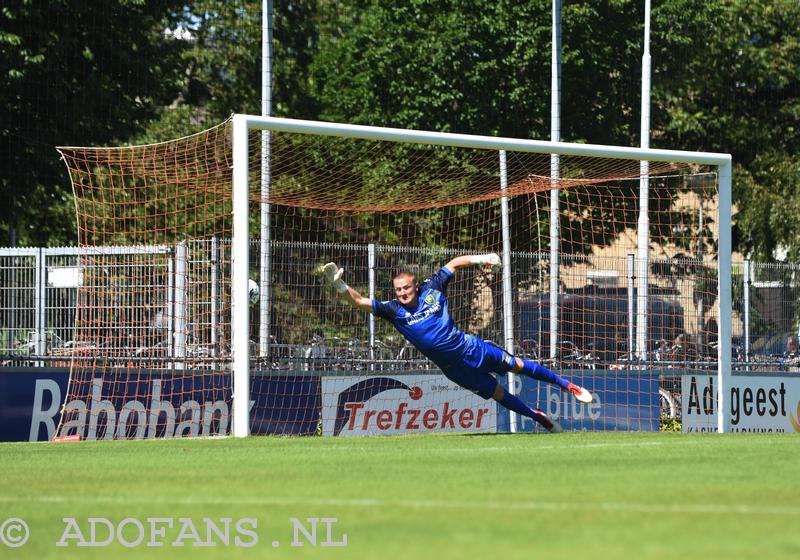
{"x":571,"y":495}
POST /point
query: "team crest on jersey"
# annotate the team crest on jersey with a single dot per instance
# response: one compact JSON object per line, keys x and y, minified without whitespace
{"x":429,"y":299}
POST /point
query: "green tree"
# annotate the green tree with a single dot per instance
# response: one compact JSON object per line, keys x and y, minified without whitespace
{"x":449,"y":66}
{"x":76,"y":73}
{"x":461,"y":67}
{"x":727,"y":78}
{"x":768,"y":201}
{"x":221,"y":66}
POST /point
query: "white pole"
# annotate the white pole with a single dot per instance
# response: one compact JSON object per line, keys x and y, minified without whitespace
{"x":643,"y":237}
{"x":240,"y":320}
{"x":265,"y":249}
{"x":746,"y":281}
{"x":555,"y":174}
{"x":493,"y":143}
{"x":371,"y":271}
{"x":631,"y":313}
{"x":169,"y":312}
{"x":181,"y":285}
{"x":508,"y":312}
{"x":214,"y":296}
{"x":41,"y":304}
{"x":725,"y":294}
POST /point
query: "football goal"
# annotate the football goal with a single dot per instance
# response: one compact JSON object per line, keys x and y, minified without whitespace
{"x":202,"y":310}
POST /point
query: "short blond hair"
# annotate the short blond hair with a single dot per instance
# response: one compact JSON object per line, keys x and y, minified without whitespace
{"x":403,"y":274}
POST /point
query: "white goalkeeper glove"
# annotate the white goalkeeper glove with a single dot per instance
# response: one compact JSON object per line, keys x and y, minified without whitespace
{"x":332,"y":275}
{"x":489,"y":260}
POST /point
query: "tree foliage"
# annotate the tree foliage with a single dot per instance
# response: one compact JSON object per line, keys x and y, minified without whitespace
{"x":726,"y":77}
{"x":73,"y":73}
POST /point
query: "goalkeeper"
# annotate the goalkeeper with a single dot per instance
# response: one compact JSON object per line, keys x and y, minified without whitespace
{"x":419,"y":312}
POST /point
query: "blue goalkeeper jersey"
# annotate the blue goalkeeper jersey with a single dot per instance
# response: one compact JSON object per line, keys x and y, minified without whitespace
{"x":429,"y":326}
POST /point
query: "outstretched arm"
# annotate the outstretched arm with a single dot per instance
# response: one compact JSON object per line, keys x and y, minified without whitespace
{"x":332,"y":275}
{"x":488,"y":260}
{"x":355,"y":299}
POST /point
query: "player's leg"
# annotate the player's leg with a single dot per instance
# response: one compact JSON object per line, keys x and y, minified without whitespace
{"x":538,"y":371}
{"x":485,"y":385}
{"x":494,"y":358}
{"x":515,"y":404}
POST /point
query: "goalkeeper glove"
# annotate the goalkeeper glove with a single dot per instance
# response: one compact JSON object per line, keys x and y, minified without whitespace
{"x":332,"y":275}
{"x":489,"y":260}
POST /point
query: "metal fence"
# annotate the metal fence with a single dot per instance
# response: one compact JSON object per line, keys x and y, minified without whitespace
{"x":180,"y":309}
{"x":37,"y":311}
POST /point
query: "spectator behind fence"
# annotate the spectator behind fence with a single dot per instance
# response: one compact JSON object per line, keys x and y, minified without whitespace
{"x":710,"y":336}
{"x":684,"y":349}
{"x":791,"y":355}
{"x":792,"y":348}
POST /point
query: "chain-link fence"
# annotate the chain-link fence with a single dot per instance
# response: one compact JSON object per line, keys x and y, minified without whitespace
{"x":173,"y":310}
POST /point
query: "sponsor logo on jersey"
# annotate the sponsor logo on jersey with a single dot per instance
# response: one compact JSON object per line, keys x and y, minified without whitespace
{"x":424,"y":314}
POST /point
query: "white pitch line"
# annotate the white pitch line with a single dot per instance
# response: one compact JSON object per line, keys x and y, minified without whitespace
{"x":44,"y":445}
{"x":49,"y":446}
{"x":414,"y":504}
{"x":504,"y":448}
{"x":544,"y":447}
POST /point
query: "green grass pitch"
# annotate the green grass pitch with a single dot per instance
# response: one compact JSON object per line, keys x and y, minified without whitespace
{"x":549,"y":496}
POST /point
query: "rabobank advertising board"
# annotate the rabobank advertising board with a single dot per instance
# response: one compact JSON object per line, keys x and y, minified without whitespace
{"x":759,"y":402}
{"x":157,"y":405}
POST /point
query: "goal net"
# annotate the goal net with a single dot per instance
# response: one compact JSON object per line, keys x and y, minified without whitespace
{"x":169,"y":331}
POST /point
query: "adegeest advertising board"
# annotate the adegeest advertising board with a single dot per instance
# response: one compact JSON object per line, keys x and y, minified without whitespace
{"x":763,"y":402}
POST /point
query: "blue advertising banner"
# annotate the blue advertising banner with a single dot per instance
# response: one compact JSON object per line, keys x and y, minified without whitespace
{"x":286,"y":403}
{"x":31,"y":400}
{"x":624,"y":400}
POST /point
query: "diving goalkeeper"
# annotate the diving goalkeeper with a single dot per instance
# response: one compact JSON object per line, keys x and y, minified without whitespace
{"x":419,"y":313}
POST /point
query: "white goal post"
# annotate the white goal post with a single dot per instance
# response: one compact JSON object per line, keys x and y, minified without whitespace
{"x":243,"y":124}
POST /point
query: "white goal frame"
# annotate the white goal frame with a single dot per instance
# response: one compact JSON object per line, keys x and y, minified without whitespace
{"x":242,"y":124}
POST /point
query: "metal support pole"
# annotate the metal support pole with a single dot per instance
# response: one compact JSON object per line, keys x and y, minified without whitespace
{"x":181,"y":281}
{"x":555,"y":175}
{"x":371,"y":271}
{"x":169,"y":311}
{"x":265,"y":249}
{"x":643,"y":230}
{"x":508,"y":312}
{"x":214,"y":296}
{"x":631,"y":303}
{"x":41,"y":304}
{"x":746,"y":283}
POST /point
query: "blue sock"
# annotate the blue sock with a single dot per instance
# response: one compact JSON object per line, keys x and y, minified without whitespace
{"x":538,"y":371}
{"x":512,"y":402}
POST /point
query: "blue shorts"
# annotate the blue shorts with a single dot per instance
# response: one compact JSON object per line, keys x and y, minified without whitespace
{"x":480,"y":360}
